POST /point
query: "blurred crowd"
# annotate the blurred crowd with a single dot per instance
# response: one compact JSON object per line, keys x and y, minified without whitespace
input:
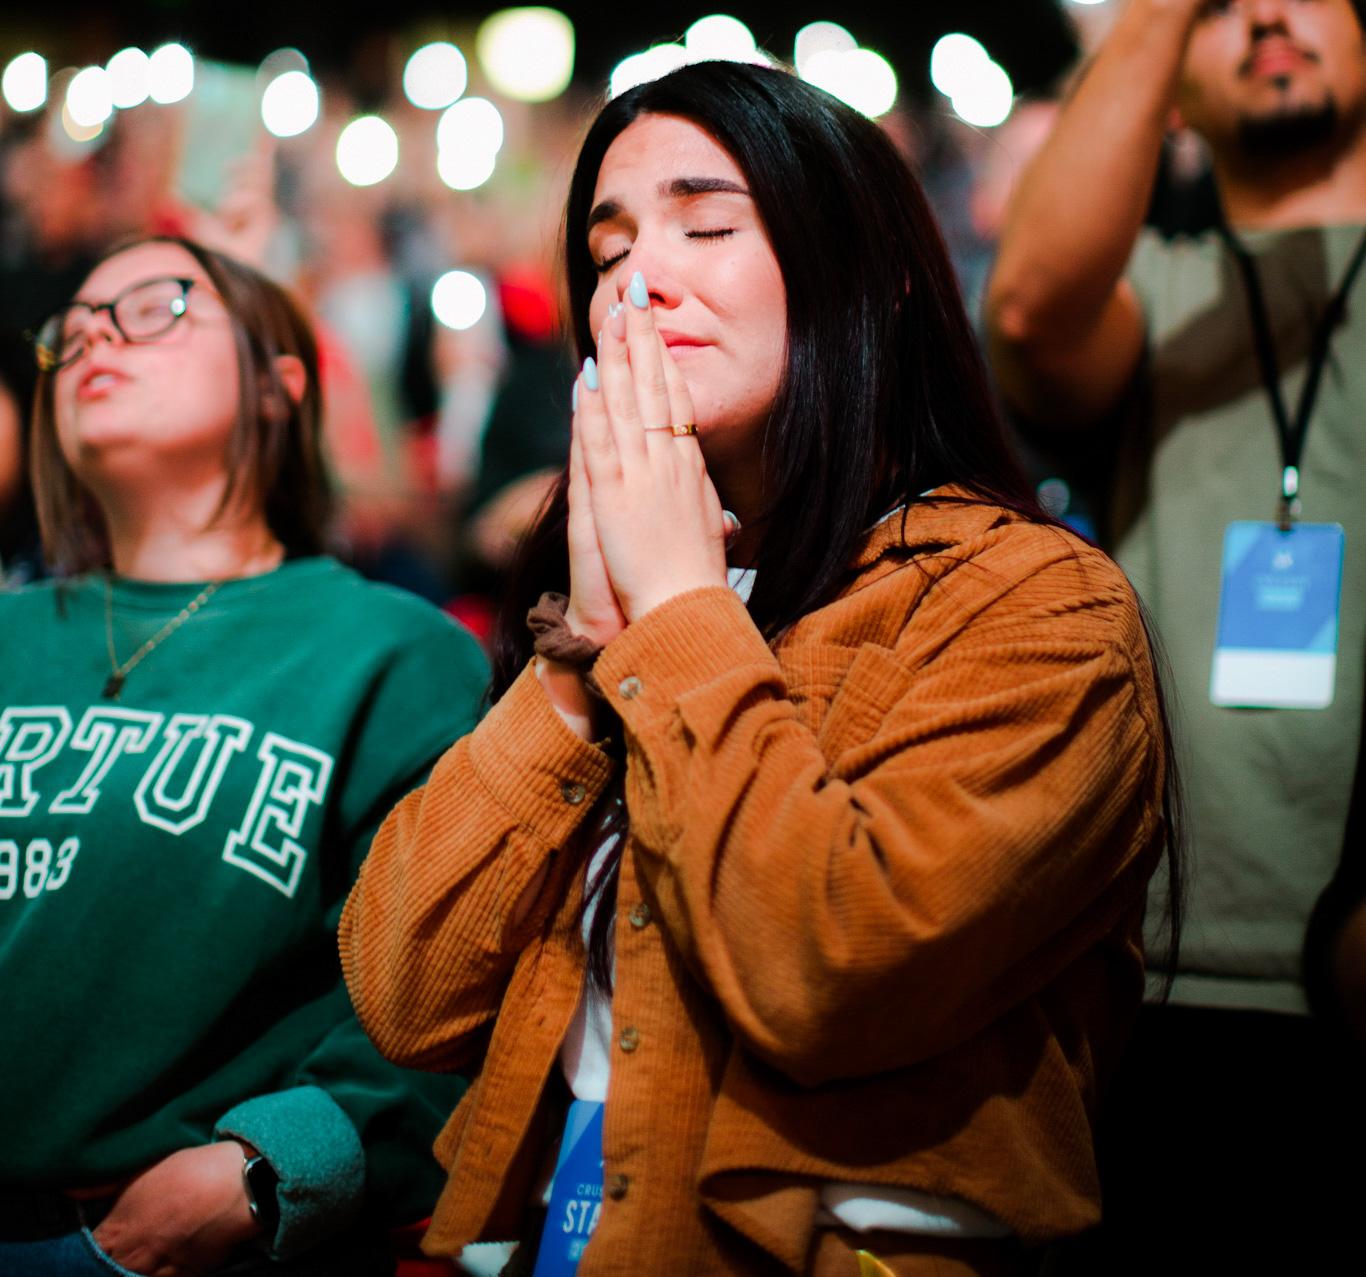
{"x":443,"y":441}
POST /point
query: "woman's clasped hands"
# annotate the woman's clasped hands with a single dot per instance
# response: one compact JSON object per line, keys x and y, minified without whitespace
{"x":645,"y":522}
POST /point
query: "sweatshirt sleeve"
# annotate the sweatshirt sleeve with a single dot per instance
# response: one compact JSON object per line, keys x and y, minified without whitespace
{"x":349,"y":1133}
{"x":862,"y":912}
{"x":462,"y":875}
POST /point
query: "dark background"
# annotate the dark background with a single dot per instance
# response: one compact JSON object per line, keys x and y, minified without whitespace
{"x":1030,"y":38}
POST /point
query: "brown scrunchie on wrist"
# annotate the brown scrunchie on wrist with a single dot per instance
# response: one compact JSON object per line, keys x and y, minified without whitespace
{"x":554,"y":639}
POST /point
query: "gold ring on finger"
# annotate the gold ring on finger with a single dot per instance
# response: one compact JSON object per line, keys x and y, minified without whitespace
{"x":678,"y":432}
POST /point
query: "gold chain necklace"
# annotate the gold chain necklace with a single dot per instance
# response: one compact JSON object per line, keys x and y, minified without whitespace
{"x":114,"y":685}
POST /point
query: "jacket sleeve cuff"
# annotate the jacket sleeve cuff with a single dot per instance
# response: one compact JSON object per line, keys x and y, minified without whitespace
{"x":540,"y":772}
{"x":315,"y":1151}
{"x":685,"y":643}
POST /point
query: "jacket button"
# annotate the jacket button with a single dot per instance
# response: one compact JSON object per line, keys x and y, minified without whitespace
{"x":629,"y":1040}
{"x":572,"y":792}
{"x":617,"y":1186}
{"x":630,"y":688}
{"x":639,"y":915}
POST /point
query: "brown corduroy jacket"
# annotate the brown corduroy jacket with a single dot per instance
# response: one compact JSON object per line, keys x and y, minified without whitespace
{"x":878,"y":919}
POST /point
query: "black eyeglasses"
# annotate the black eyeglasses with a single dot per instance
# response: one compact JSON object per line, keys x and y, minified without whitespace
{"x":142,"y":312}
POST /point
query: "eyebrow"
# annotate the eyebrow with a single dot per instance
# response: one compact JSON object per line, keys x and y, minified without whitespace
{"x":682,"y":187}
{"x":676,"y":188}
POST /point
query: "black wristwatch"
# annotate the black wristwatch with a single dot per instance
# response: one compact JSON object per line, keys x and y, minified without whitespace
{"x":261,"y":1182}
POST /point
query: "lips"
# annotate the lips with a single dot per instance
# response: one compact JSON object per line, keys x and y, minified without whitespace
{"x":1277,"y":57}
{"x":682,"y":341}
{"x":97,"y":381}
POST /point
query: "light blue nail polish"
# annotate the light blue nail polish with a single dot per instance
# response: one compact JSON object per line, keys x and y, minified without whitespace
{"x":638,"y":293}
{"x":574,"y":397}
{"x":590,"y":373}
{"x":615,"y":309}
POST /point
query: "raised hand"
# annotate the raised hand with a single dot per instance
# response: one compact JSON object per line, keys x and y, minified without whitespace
{"x":247,"y":216}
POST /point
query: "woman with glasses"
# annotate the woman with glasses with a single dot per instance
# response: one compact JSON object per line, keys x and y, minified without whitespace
{"x":201,"y":724}
{"x":791,"y":892}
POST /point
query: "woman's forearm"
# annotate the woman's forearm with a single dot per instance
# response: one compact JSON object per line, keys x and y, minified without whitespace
{"x":568,"y":694}
{"x":459,"y":877}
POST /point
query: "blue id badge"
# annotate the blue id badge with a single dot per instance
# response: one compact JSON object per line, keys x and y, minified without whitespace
{"x":1277,"y":641}
{"x":575,"y":1193}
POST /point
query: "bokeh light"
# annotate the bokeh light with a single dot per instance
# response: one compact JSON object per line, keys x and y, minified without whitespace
{"x":719,"y":38}
{"x":130,"y":78}
{"x":985,"y":97}
{"x":170,"y":74}
{"x":820,"y":37}
{"x":459,"y":299}
{"x":367,"y":150}
{"x":465,"y":170}
{"x":527,"y":53}
{"x":75,"y":130}
{"x":640,"y":68}
{"x":289,"y":106}
{"x":469,"y":136}
{"x":859,"y":77}
{"x":954,"y":60}
{"x":24,"y":82}
{"x":88,"y":100}
{"x":435,"y":76}
{"x":474,"y":126}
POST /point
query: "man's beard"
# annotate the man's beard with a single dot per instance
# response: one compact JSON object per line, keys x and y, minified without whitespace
{"x":1289,"y":131}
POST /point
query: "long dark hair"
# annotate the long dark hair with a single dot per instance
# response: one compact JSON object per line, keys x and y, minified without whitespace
{"x":884,"y":395}
{"x":275,"y":451}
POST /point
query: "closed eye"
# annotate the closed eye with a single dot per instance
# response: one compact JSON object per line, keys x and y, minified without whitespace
{"x":607,"y":263}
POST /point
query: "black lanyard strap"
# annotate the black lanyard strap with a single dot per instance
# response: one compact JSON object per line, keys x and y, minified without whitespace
{"x":1291,"y":433}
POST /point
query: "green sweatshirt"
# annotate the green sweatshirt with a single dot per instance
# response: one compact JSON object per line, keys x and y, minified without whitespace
{"x":172,"y":868}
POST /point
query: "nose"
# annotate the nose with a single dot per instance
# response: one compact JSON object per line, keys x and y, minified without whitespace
{"x":102,"y":327}
{"x":655,"y":259}
{"x":1265,"y":15}
{"x":99,"y":326}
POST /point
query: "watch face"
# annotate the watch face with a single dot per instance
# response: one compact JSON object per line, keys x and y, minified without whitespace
{"x":261,"y":1182}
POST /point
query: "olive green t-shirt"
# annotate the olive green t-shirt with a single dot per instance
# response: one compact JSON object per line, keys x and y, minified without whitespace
{"x":1267,"y":789}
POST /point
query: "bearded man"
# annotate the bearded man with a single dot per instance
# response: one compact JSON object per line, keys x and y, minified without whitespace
{"x":1229,"y":370}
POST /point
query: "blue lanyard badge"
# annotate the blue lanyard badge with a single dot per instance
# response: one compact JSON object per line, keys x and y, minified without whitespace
{"x":1278,"y":616}
{"x":575,"y":1192}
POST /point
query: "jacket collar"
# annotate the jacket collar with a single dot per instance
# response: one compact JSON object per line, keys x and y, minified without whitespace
{"x":948,"y":516}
